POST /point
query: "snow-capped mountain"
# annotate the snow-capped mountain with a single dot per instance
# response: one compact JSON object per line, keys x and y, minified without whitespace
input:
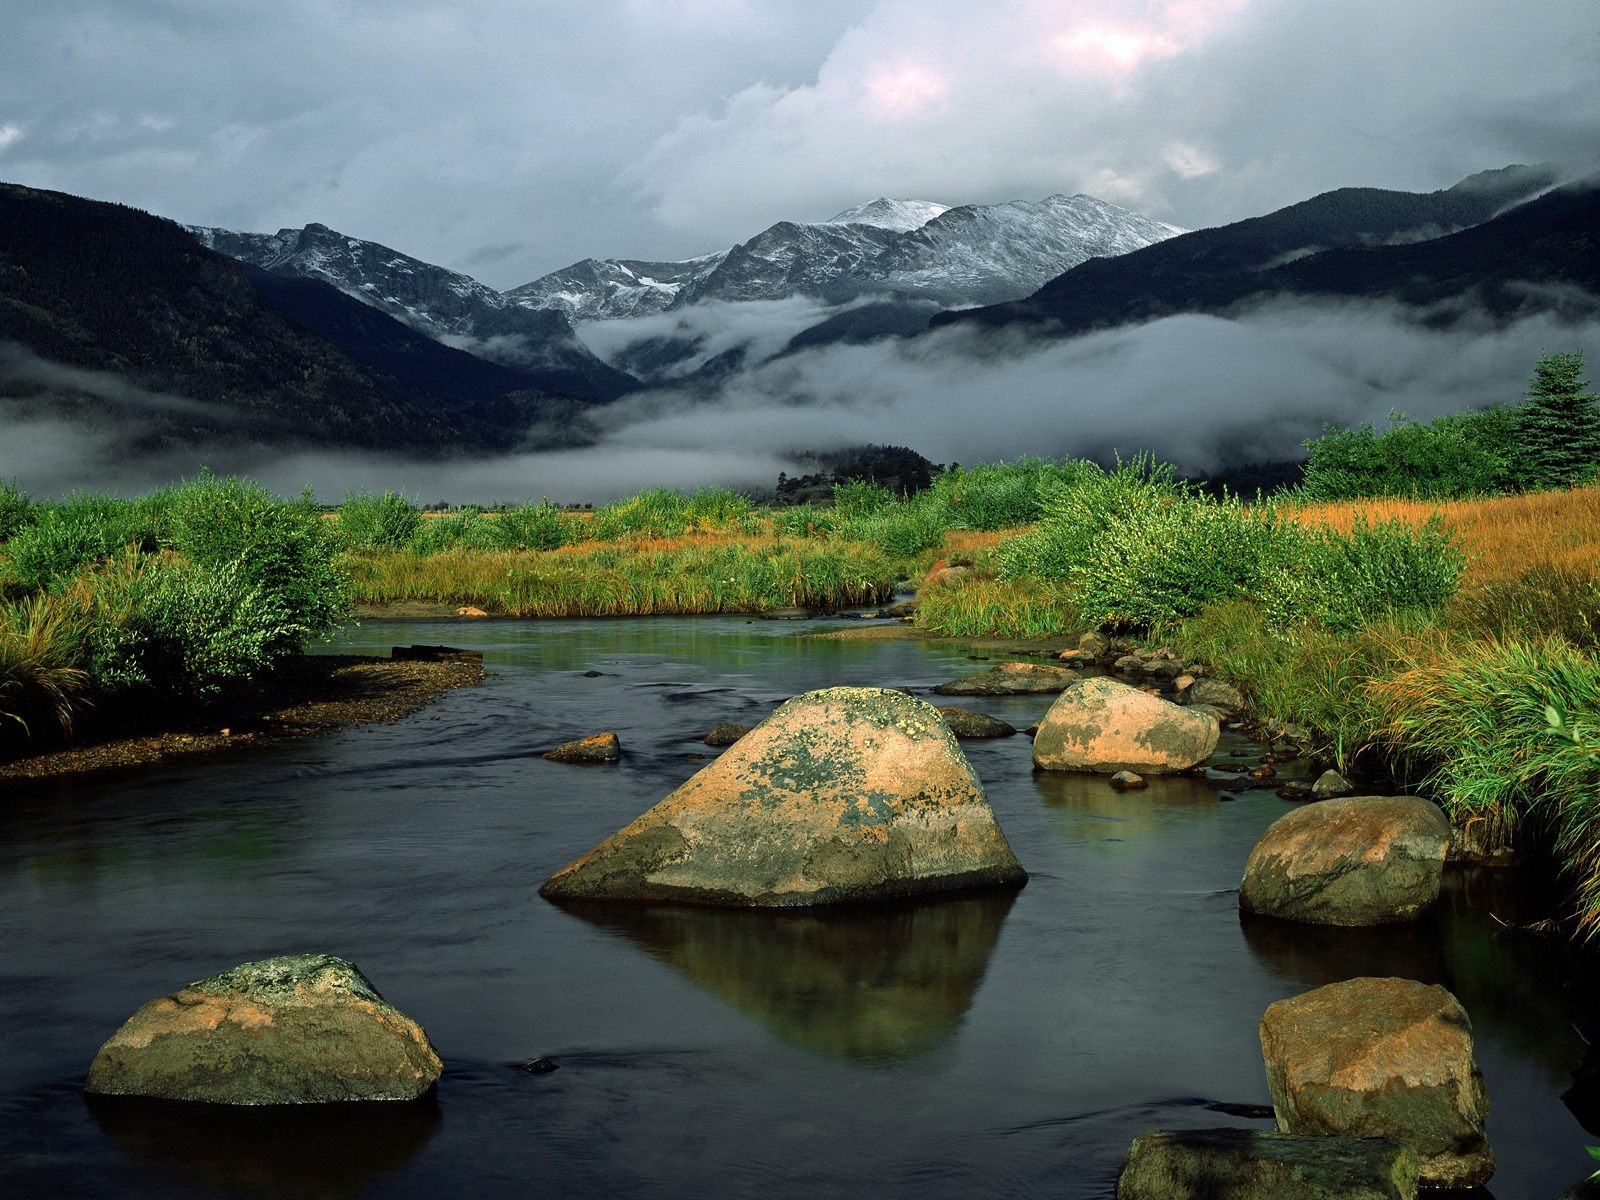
{"x":446,"y":305}
{"x":899,"y":215}
{"x":972,"y":254}
{"x":969,"y":254}
{"x":600,"y":288}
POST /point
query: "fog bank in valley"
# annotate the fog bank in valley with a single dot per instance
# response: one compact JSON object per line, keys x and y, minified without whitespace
{"x":1203,"y":392}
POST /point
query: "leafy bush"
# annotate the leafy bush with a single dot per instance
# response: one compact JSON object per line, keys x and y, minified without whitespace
{"x":1004,"y":495}
{"x":540,"y":526}
{"x":82,"y":529}
{"x":656,"y":513}
{"x":466,"y":528}
{"x":283,"y":548}
{"x":378,"y":521}
{"x":1454,"y":456}
{"x":858,"y":498}
{"x":1343,"y":581}
{"x":15,"y":510}
{"x":164,"y":624}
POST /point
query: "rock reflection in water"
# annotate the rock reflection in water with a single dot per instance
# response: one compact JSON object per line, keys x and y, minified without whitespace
{"x":1091,"y":808}
{"x":297,"y":1152}
{"x":871,"y":982}
{"x":1520,"y":987}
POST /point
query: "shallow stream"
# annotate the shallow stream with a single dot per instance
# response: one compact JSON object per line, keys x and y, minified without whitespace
{"x":1005,"y":1045}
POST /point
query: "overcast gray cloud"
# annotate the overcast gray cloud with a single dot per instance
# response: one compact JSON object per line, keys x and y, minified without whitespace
{"x":510,"y":138}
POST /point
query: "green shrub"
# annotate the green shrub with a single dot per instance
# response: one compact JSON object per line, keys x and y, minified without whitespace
{"x":716,"y":508}
{"x":1004,"y":495}
{"x":16,"y":511}
{"x":540,"y":526}
{"x":283,"y":548}
{"x":82,"y":529}
{"x":178,"y":628}
{"x":656,"y":513}
{"x":1454,"y":456}
{"x":857,"y":498}
{"x":378,"y":521}
{"x":1343,"y":581}
{"x":466,"y":528}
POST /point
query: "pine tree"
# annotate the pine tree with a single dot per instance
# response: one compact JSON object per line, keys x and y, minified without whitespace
{"x":1558,"y":431}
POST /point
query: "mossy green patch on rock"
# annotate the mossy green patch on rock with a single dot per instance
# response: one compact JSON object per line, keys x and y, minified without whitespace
{"x":844,"y":794}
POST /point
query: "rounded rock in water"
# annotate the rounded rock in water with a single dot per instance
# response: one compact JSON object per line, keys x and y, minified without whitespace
{"x":841,"y":795}
{"x":300,"y":1029}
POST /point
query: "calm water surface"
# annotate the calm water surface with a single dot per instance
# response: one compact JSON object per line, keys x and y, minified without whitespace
{"x":996,"y":1045}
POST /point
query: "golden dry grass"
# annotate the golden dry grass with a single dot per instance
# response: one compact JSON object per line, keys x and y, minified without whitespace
{"x":1505,"y":536}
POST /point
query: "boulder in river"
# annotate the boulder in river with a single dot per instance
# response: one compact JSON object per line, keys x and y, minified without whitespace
{"x":1214,"y":692}
{"x":1257,"y":1164}
{"x":725,"y":733}
{"x":965,"y":723}
{"x":1104,"y":726}
{"x":840,"y":795}
{"x":1331,"y":785}
{"x":1360,"y":860}
{"x":600,"y":748}
{"x":1012,"y":679}
{"x":1382,"y":1058}
{"x":300,"y":1029}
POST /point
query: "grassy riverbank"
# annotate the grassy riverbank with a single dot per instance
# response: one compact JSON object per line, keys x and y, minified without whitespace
{"x":1451,"y":643}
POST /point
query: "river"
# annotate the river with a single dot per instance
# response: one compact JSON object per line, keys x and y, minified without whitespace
{"x":1006,"y":1045}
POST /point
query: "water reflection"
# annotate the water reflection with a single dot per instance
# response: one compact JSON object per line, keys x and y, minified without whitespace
{"x":1091,"y":809}
{"x":1518,"y":988}
{"x":310,"y":1152}
{"x":882,"y":982}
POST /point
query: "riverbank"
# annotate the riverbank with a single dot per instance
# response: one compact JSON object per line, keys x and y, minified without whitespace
{"x":307,"y":695}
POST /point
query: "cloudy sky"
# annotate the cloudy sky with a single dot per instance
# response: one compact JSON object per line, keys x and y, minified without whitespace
{"x":508,"y":138}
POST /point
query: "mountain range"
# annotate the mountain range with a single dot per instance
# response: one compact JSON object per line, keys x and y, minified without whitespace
{"x":310,"y":336}
{"x":1473,"y":243}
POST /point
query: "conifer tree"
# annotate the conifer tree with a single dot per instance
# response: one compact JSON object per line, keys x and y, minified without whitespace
{"x":1558,"y":431}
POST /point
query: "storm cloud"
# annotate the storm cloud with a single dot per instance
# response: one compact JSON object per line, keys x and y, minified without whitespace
{"x":509,"y":139}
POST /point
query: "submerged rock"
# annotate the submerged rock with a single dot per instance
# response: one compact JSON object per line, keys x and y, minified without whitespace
{"x":601,"y":748}
{"x":1127,"y":781}
{"x":1362,"y":860}
{"x":1382,"y":1058}
{"x":724,"y":733}
{"x":1012,"y":679}
{"x":840,"y":795}
{"x":1251,"y":1164}
{"x":965,"y":723}
{"x":1104,"y":726}
{"x":300,"y":1029}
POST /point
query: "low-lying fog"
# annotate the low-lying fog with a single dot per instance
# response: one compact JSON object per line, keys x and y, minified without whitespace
{"x":1202,"y":392}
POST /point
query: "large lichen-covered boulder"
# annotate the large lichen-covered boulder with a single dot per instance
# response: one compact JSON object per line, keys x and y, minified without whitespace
{"x":301,"y":1029}
{"x":1382,"y":1058}
{"x":840,"y":795}
{"x":1104,"y":726}
{"x":1255,"y":1164}
{"x":1360,"y":860}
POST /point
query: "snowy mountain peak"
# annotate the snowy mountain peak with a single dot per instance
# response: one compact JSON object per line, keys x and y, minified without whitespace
{"x":899,"y":215}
